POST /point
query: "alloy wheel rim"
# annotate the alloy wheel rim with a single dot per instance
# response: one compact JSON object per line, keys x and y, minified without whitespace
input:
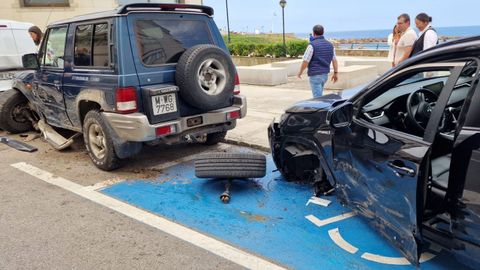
{"x":96,"y":140}
{"x":212,"y":77}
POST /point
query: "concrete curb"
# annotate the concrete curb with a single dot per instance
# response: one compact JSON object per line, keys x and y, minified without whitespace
{"x":254,"y":146}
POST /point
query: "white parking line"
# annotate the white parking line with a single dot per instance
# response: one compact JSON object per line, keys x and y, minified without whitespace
{"x":426,"y":256}
{"x":338,"y":239}
{"x":319,"y":201}
{"x":327,"y":221}
{"x":221,"y":249}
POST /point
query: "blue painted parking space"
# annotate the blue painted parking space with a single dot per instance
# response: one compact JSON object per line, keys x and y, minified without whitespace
{"x":269,"y":217}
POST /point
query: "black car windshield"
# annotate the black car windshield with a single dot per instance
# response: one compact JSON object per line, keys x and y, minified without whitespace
{"x":161,"y":41}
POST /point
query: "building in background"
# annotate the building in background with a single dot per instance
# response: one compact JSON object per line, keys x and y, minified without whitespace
{"x":43,"y":12}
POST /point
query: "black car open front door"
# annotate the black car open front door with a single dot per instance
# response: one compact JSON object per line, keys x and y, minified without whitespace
{"x":377,"y":172}
{"x":461,"y":232}
{"x":381,"y":170}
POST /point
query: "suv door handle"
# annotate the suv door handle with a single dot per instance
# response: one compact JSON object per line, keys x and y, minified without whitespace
{"x":399,"y":168}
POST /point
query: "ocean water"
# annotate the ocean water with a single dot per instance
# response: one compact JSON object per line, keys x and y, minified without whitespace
{"x":461,"y":31}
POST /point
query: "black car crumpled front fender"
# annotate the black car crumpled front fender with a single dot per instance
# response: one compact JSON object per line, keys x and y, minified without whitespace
{"x":296,"y":154}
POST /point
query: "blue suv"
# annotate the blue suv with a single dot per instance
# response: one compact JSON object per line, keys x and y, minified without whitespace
{"x":140,"y":74}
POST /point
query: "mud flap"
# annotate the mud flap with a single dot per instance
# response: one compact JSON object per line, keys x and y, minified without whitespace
{"x":53,"y":137}
{"x":20,"y":146}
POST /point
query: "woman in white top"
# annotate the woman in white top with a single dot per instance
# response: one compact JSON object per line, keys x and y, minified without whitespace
{"x":392,"y":42}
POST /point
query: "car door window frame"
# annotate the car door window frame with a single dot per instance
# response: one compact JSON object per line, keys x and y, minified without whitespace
{"x":392,"y":80}
{"x":45,"y":45}
{"x":109,"y":45}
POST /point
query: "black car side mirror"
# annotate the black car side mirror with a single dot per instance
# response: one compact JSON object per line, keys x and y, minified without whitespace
{"x":30,"y":61}
{"x":340,"y":116}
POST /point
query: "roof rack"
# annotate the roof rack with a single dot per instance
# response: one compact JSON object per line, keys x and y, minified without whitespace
{"x":165,"y":7}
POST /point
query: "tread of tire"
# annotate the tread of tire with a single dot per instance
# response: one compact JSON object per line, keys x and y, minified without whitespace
{"x":230,"y":165}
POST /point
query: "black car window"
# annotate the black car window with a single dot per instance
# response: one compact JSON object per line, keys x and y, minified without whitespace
{"x":91,"y":45}
{"x":163,"y":41}
{"x":433,"y":80}
{"x":387,"y":106}
{"x":459,"y":94}
{"x":55,"y":48}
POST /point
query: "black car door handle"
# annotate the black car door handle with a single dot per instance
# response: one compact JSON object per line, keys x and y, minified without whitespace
{"x":399,"y":167}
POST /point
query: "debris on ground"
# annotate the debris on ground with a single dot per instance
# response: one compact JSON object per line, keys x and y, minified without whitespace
{"x":20,"y":146}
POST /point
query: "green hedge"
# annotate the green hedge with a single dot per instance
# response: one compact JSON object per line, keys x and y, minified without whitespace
{"x":294,"y":49}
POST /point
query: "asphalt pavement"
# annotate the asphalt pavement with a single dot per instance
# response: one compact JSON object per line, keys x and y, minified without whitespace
{"x":43,"y":226}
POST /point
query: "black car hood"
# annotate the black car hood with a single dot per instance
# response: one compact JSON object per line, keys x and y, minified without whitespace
{"x":323,"y":102}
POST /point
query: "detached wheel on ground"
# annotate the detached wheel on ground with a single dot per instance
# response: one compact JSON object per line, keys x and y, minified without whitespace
{"x":14,"y":110}
{"x":206,"y":77}
{"x":230,"y":165}
{"x":98,"y":141}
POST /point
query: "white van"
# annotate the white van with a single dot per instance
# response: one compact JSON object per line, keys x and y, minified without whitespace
{"x":15,"y":41}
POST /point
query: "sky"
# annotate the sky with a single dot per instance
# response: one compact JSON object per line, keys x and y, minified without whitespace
{"x":343,"y":15}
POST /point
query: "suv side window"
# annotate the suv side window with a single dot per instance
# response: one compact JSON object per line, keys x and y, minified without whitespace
{"x":163,"y":41}
{"x":91,"y":45}
{"x":55,"y":48}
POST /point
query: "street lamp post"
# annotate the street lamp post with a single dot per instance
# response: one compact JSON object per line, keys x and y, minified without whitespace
{"x":283,"y":4}
{"x":228,"y":21}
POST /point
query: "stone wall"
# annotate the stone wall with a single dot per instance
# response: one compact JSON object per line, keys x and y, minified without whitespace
{"x":254,"y":61}
{"x":369,"y":53}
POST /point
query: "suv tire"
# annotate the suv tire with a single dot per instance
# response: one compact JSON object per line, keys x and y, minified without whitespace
{"x":214,"y":138}
{"x":98,"y":141}
{"x":230,"y":165}
{"x":12,"y":102}
{"x":206,"y":77}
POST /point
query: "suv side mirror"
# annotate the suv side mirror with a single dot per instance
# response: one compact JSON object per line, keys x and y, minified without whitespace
{"x":30,"y":61}
{"x":340,"y":116}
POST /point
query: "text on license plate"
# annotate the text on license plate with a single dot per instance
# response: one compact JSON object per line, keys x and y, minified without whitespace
{"x":163,"y":104}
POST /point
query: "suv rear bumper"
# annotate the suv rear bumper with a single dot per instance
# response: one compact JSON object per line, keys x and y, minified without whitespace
{"x":136,"y":127}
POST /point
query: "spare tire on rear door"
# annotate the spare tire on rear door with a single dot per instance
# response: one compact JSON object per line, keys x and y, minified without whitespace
{"x":206,"y":77}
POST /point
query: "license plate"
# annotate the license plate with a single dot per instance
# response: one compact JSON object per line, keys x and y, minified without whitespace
{"x":163,"y":104}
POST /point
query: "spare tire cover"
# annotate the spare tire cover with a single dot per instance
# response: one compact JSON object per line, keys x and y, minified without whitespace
{"x":206,"y":77}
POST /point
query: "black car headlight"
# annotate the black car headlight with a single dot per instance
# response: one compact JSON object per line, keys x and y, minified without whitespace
{"x":298,"y":120}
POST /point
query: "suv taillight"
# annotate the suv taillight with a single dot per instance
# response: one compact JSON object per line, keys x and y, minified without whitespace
{"x":236,"y":91}
{"x":126,"y":99}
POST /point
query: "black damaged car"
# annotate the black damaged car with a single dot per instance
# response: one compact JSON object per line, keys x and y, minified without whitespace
{"x":404,"y":151}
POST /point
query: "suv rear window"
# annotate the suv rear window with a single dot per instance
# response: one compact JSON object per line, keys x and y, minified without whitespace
{"x":163,"y":41}
{"x":91,"y":45}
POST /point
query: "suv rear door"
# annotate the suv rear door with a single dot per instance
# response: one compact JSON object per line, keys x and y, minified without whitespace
{"x":159,"y":39}
{"x":48,"y":82}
